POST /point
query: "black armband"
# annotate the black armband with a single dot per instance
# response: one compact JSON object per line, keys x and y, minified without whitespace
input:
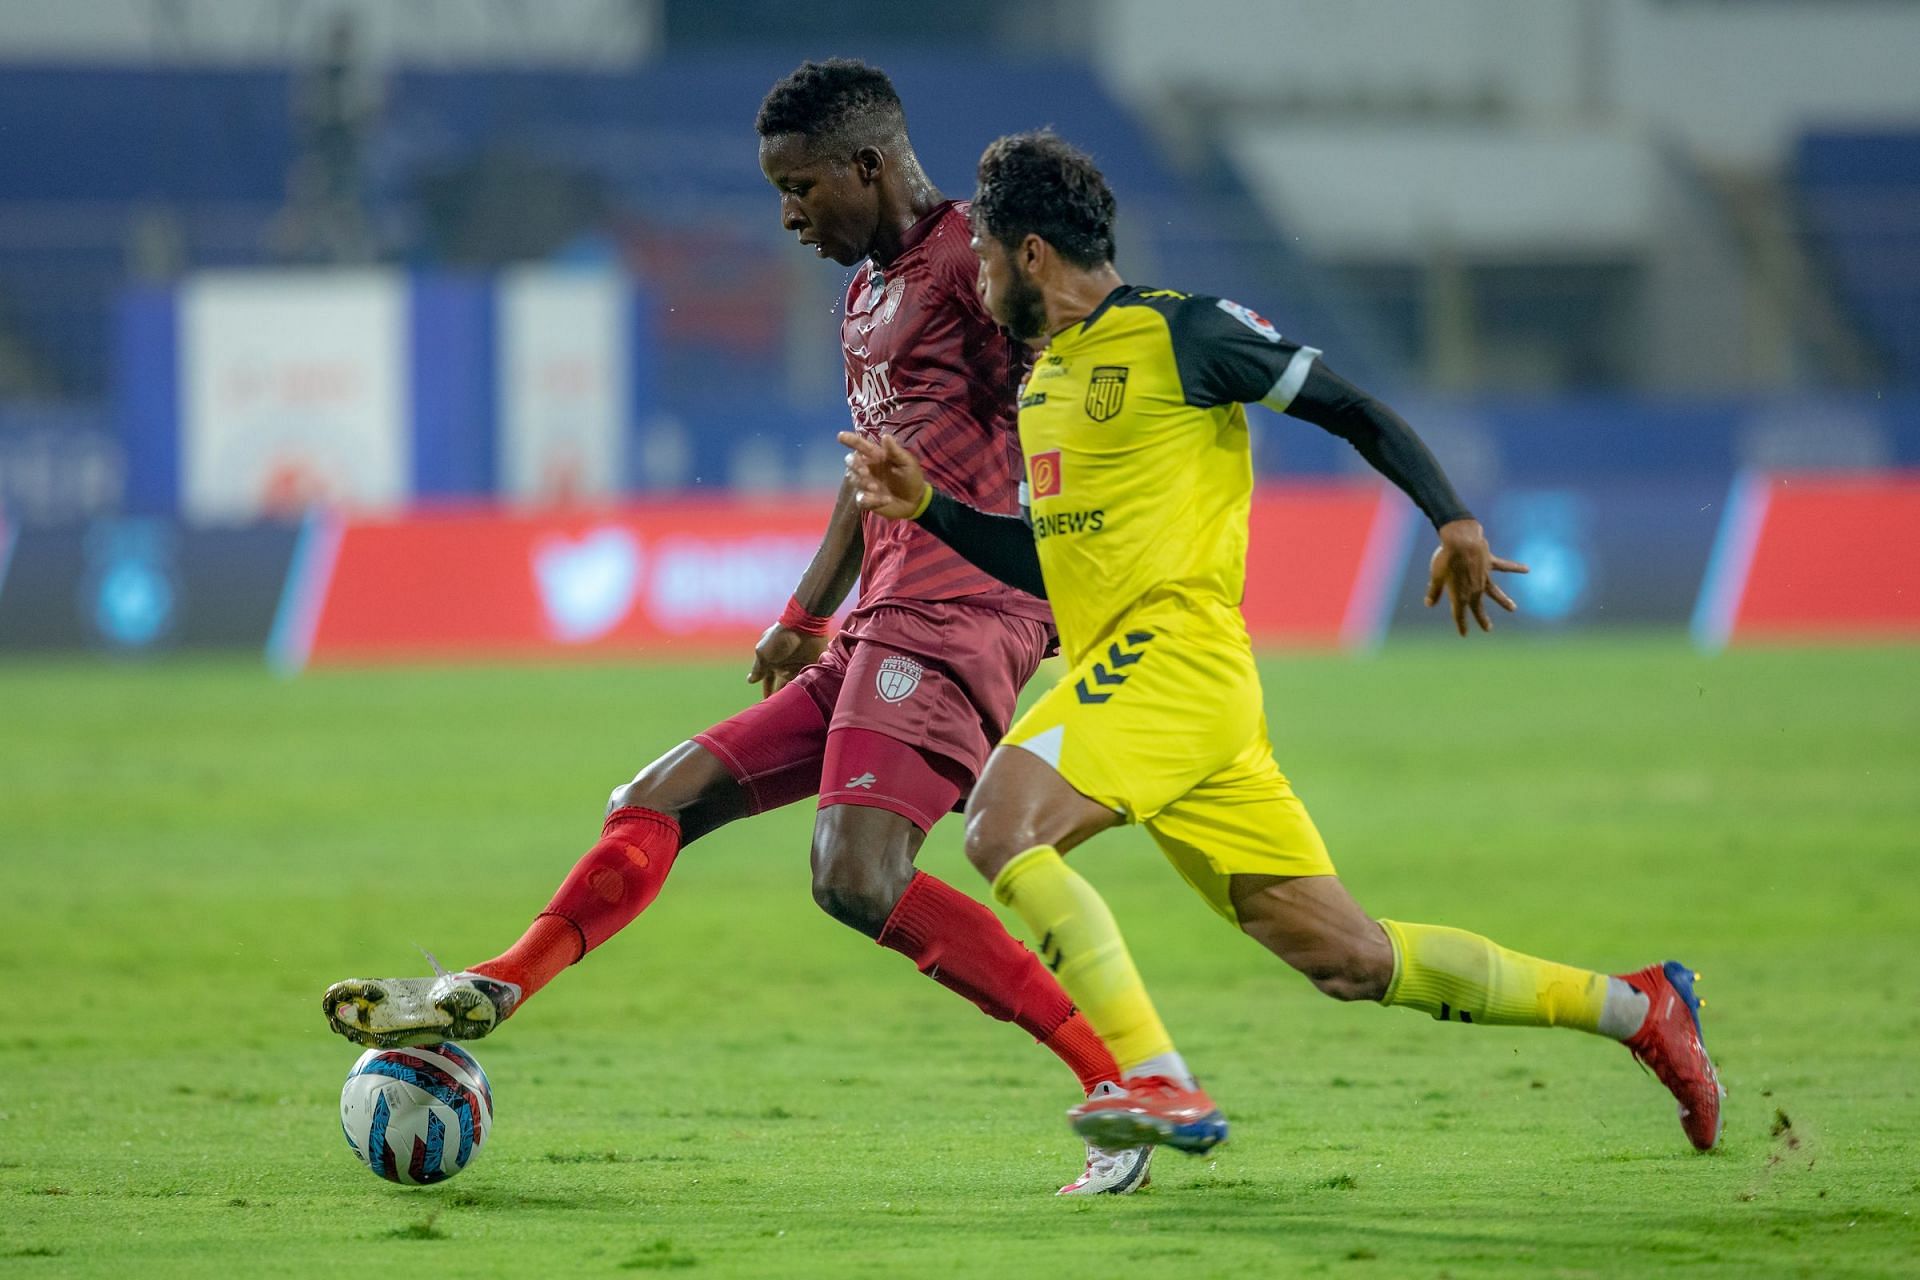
{"x":999,"y":545}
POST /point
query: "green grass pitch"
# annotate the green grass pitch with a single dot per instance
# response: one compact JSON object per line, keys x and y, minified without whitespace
{"x":190,"y":851}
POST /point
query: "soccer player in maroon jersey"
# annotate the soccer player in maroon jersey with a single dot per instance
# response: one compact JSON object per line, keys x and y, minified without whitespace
{"x":890,"y":721}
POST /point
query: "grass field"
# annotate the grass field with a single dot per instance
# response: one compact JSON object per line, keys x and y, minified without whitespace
{"x":190,"y":851}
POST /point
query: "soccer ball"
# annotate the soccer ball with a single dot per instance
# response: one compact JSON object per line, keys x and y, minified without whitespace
{"x":416,"y":1116}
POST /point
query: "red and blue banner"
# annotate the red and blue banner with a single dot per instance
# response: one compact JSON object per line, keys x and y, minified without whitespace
{"x":1814,"y":556}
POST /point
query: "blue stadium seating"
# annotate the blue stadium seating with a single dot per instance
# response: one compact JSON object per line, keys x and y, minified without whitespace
{"x":1860,"y":202}
{"x":672,"y":143}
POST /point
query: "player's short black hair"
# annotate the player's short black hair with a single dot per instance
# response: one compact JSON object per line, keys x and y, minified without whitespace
{"x":838,"y":97}
{"x":1039,"y":184}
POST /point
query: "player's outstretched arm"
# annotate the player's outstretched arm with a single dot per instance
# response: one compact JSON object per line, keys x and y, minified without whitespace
{"x":1463,"y":564}
{"x":888,"y":481}
{"x":790,"y":645}
{"x":1228,"y":354}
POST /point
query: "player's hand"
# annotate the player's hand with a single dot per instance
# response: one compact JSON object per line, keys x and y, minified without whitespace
{"x":1462,"y":567}
{"x":781,"y":655}
{"x":887,"y":480}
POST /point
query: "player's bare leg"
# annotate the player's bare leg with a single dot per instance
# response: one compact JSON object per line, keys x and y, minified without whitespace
{"x":1314,"y":924}
{"x":862,"y":864}
{"x":679,"y":797}
{"x":864,"y":877}
{"x":1022,"y":817}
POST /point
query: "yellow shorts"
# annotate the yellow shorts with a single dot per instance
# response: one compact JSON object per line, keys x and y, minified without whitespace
{"x":1166,"y":726}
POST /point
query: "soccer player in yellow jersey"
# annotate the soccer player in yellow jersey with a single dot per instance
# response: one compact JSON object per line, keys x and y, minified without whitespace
{"x":1139,"y":478}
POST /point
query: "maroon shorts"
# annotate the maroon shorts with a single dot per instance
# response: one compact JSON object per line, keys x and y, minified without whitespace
{"x":900,"y":716}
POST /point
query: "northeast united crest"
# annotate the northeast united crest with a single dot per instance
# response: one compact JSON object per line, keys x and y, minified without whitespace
{"x":887,"y":304}
{"x":1106,"y":389}
{"x":897,"y":678}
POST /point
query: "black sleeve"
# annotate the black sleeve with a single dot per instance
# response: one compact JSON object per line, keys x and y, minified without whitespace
{"x":1000,"y":545}
{"x":1230,"y":354}
{"x":1382,"y":437}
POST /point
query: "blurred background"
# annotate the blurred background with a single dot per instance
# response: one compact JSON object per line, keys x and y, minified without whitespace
{"x":357,"y":329}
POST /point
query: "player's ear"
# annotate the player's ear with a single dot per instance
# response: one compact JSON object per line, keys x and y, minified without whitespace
{"x":868,"y":162}
{"x":1034,"y":253}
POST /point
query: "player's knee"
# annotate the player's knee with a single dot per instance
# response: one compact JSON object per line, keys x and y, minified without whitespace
{"x":639,"y":793}
{"x":857,"y":881}
{"x":985,"y":850}
{"x":669,"y":785}
{"x":858,"y":887}
{"x":993,"y":840}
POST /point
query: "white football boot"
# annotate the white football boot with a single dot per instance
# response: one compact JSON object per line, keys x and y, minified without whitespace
{"x":1111,"y":1173}
{"x":386,"y":1013}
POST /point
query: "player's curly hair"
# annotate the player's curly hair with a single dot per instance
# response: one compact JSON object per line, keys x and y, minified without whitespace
{"x":838,"y":96}
{"x":1039,"y":184}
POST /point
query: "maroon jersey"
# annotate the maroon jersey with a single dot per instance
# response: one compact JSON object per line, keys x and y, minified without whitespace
{"x":927,"y":365}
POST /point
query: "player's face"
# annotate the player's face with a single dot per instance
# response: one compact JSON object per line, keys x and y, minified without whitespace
{"x":1011,"y":296}
{"x":833,"y":206}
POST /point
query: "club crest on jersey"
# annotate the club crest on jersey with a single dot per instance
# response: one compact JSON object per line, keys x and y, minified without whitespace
{"x":897,"y":678}
{"x":1251,"y":318}
{"x":1045,"y":468}
{"x":1106,"y":389}
{"x":890,"y":297}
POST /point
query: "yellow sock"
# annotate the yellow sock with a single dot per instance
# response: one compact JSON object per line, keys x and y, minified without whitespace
{"x":1462,"y":977}
{"x":1082,"y":945}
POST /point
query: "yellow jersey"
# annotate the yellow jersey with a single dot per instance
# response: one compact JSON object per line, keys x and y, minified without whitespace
{"x":1139,"y":468}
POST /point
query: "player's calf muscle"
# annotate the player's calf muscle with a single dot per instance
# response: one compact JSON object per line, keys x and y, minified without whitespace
{"x":1315,"y":926}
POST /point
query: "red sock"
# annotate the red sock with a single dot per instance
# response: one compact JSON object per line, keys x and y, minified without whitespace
{"x":606,"y":889}
{"x":962,"y":945}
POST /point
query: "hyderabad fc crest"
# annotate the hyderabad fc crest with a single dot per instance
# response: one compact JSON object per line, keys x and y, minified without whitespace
{"x":897,"y":678}
{"x":1106,"y":390}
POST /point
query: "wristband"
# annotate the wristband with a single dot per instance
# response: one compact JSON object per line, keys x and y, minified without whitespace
{"x":920,"y":507}
{"x":796,"y":618}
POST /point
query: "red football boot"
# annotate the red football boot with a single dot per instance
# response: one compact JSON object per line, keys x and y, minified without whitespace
{"x":1148,"y":1111}
{"x":1668,"y":1044}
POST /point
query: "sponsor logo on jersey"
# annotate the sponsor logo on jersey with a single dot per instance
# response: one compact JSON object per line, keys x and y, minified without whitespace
{"x":1055,"y":523}
{"x":1051,"y":367}
{"x":872,"y":397}
{"x":864,"y":782}
{"x":1045,"y":468}
{"x":1251,"y":318}
{"x":1033,"y":400}
{"x":1106,"y":390}
{"x":897,"y":678}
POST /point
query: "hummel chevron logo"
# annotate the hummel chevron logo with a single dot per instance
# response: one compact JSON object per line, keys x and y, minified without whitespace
{"x":1117,"y":658}
{"x":865,"y":780}
{"x":1050,"y":953}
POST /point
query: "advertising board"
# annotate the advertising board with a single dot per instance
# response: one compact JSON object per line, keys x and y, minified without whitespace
{"x":708,"y":575}
{"x":293,"y":390}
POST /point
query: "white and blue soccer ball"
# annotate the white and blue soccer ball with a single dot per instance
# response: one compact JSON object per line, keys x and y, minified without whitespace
{"x":417,"y":1115}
